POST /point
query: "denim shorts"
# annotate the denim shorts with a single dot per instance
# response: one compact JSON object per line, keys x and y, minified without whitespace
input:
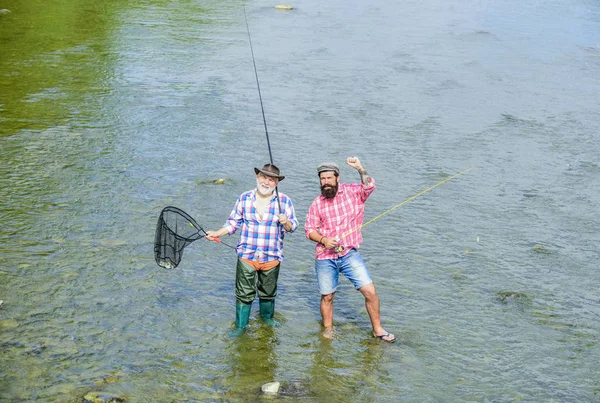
{"x":350,"y":265}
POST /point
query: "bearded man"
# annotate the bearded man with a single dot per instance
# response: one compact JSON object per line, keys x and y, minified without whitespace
{"x":333,"y":221}
{"x":264,"y":215}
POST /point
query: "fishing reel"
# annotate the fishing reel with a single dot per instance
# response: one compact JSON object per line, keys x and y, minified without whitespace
{"x":339,"y":248}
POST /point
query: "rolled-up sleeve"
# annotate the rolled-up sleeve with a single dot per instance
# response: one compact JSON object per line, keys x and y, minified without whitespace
{"x":313,"y":221}
{"x":291,"y":214}
{"x":367,"y":189}
{"x":235,"y":218}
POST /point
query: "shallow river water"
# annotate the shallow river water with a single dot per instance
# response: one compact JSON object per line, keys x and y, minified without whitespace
{"x":110,"y":111}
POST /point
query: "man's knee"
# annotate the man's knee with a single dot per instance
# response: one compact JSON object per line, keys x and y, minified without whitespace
{"x":327,"y":298}
{"x":369,"y":291}
{"x":245,"y":296}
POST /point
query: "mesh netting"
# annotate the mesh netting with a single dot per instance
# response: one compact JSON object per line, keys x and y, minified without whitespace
{"x":175,"y":230}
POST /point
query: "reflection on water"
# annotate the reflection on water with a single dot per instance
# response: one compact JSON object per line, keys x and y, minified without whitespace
{"x":55,"y":65}
{"x":343,"y":375}
{"x":252,"y":362}
{"x":110,"y":111}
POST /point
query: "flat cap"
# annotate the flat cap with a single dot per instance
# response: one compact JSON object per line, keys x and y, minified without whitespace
{"x":328,"y":166}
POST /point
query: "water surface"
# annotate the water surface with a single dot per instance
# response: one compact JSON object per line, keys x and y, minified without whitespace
{"x":111,"y":111}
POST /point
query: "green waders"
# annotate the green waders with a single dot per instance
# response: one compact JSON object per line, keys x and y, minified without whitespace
{"x":246,"y":286}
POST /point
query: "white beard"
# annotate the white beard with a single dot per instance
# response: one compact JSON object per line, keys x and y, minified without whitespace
{"x":264,"y":190}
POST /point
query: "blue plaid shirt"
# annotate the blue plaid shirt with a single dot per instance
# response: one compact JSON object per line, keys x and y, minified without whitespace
{"x":261,"y":239}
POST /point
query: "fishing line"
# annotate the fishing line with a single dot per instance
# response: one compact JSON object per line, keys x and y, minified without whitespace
{"x":398,"y":205}
{"x":407,"y":200}
{"x":261,"y":103}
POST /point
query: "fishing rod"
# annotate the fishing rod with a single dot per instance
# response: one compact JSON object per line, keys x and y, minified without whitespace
{"x":261,"y":103}
{"x":340,"y":248}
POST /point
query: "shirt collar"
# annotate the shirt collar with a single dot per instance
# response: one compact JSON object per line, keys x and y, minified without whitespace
{"x":254,"y":196}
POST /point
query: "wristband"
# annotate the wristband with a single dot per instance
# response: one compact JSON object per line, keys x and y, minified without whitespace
{"x":321,"y":240}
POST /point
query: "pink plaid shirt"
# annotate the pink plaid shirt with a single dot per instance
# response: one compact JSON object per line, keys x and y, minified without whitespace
{"x":340,"y":217}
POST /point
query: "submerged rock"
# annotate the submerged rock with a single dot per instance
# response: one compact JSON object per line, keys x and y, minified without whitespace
{"x":507,"y":296}
{"x":295,"y":389}
{"x":540,"y":249}
{"x":108,"y":379}
{"x":99,"y":397}
{"x":271,"y":388}
{"x":215,"y":181}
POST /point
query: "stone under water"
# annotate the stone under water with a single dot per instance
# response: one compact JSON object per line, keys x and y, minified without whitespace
{"x":271,"y":388}
{"x":507,"y":296}
{"x":219,"y":181}
{"x":98,"y":397}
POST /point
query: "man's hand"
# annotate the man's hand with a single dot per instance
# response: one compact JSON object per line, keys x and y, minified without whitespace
{"x":215,"y":235}
{"x":211,"y":235}
{"x":285,"y":221}
{"x":330,"y":243}
{"x":354,"y":162}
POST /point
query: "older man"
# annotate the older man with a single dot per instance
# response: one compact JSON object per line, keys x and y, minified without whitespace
{"x":264,"y":215}
{"x":333,"y":222}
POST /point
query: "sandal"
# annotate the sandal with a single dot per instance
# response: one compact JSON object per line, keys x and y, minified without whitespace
{"x":383,"y":337}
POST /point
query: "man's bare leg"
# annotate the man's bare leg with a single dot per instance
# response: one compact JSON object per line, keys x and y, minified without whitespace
{"x":327,"y":314}
{"x":372,"y":305}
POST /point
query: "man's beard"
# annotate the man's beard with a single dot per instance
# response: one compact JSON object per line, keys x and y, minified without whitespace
{"x":329,"y":191}
{"x":264,"y":191}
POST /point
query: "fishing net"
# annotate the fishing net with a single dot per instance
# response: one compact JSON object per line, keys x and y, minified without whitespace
{"x":174,"y":231}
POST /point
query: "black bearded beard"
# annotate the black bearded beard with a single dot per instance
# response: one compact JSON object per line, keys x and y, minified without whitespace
{"x":329,"y":191}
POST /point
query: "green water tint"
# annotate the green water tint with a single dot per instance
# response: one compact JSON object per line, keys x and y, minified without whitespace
{"x":111,"y":110}
{"x":55,"y":56}
{"x":8,"y":324}
{"x":252,"y":360}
